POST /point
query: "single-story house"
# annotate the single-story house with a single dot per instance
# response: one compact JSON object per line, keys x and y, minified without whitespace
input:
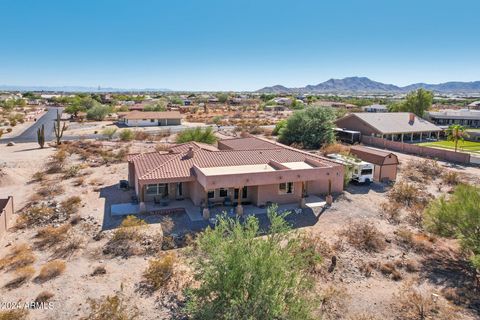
{"x":150,"y":118}
{"x":474,"y":105}
{"x":396,"y":126}
{"x":6,"y":213}
{"x":375,"y":108}
{"x":464,"y":117}
{"x":385,"y":162}
{"x":242,"y":171}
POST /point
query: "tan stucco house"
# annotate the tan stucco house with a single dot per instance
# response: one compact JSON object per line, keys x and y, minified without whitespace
{"x":244,"y":170}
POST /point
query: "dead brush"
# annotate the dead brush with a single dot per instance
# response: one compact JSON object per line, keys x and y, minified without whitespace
{"x":57,"y":161}
{"x":43,"y":297}
{"x":451,"y":178}
{"x":19,"y":256}
{"x":50,"y":190}
{"x":407,"y":194}
{"x":51,"y":236}
{"x":127,"y":238}
{"x":35,"y":216}
{"x":334,"y":302}
{"x":79,"y":182}
{"x":159,"y":270}
{"x":418,"y":242}
{"x":335,"y":148}
{"x":51,"y":269}
{"x":111,"y":307}
{"x":423,"y":170}
{"x":316,"y":251}
{"x":364,"y":236}
{"x":392,"y":211}
{"x":391,"y":271}
{"x":70,"y":205}
{"x":14,"y":314}
{"x":22,"y":275}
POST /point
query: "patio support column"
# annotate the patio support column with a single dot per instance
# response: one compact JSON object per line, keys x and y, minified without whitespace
{"x":421,"y":134}
{"x":411,"y":136}
{"x":141,"y":205}
{"x":206,"y":210}
{"x":402,"y":137}
{"x":429,"y":135}
{"x":302,"y":200}
{"x":239,"y":208}
{"x":392,"y":137}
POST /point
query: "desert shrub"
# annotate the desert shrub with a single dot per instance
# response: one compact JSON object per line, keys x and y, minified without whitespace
{"x":22,"y":275}
{"x":14,"y":314}
{"x":80,"y":181}
{"x":418,"y":242}
{"x":50,"y":236}
{"x":38,"y":176}
{"x":127,"y":238}
{"x":265,"y":278}
{"x":141,"y":135}
{"x":314,"y":250}
{"x":99,"y":270}
{"x":417,"y":302}
{"x":335,"y":148}
{"x":365,"y":236}
{"x":109,"y":133}
{"x":412,"y":265}
{"x":126,"y":135}
{"x":72,"y":172}
{"x":34,"y":216}
{"x":415,"y":214}
{"x":51,"y":269}
{"x":159,"y":270}
{"x":278,"y":126}
{"x":367,"y":268}
{"x":19,"y":256}
{"x":407,"y":194}
{"x":50,"y":190}
{"x":451,"y":178}
{"x":333,"y":302}
{"x":43,"y":297}
{"x":57,"y":161}
{"x":98,"y":112}
{"x":70,"y":205}
{"x":198,"y":134}
{"x":111,"y":308}
{"x":392,"y":211}
{"x":422,"y":170}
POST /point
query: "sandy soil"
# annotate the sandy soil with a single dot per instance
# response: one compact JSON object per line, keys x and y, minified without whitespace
{"x":373,"y":294}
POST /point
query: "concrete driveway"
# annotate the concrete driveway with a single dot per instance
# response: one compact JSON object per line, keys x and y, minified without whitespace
{"x":30,"y":134}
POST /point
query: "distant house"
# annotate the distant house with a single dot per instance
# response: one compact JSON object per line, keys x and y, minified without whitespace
{"x":375,"y":108}
{"x":148,"y":119}
{"x":385,"y":162}
{"x":464,"y":117}
{"x":276,"y":108}
{"x":474,"y":105}
{"x":399,"y":126}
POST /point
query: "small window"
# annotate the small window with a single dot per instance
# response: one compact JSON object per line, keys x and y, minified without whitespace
{"x":366,"y":171}
{"x":152,"y":120}
{"x":223,"y":192}
{"x":286,"y":187}
{"x":211,"y":194}
{"x":152,"y":189}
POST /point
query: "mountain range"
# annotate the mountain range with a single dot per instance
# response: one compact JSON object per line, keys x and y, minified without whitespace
{"x":365,"y":85}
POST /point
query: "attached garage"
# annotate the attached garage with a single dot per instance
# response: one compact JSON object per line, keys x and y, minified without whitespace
{"x":386,"y":163}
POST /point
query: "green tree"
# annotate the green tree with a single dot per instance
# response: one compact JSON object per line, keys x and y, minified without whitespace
{"x":279,"y":126}
{"x":222,"y":97}
{"x":126,"y":135}
{"x":198,"y":134}
{"x":459,"y":217}
{"x":417,"y":102}
{"x":244,"y":276}
{"x":159,"y":106}
{"x":98,"y":112}
{"x":109,"y":133}
{"x":456,"y":133}
{"x":312,"y":127}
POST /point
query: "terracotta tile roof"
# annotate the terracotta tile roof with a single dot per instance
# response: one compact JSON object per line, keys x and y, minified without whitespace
{"x":139,"y":115}
{"x":247,"y":144}
{"x":176,"y":164}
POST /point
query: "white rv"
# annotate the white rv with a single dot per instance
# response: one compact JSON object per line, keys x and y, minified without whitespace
{"x":360,"y":171}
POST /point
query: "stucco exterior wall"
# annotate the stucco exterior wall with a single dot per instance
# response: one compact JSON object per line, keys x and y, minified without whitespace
{"x":272,"y":193}
{"x":386,"y":172}
{"x":6,"y":213}
{"x":156,"y":122}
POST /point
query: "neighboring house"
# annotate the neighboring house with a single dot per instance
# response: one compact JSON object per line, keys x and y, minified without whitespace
{"x":385,"y":162}
{"x":474,"y":105}
{"x":243,"y":171}
{"x":464,"y":117}
{"x":375,"y":108}
{"x":150,"y":118}
{"x":398,"y":126}
{"x":275,"y":108}
{"x":6,"y":213}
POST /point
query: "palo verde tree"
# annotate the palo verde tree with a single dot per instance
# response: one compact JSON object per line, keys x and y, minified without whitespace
{"x":418,"y":102}
{"x":41,"y":136}
{"x":58,"y":129}
{"x":456,"y":133}
{"x":311,"y":127}
{"x":245,"y":276}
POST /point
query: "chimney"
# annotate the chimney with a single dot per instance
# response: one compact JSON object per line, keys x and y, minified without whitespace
{"x":190,"y":153}
{"x":412,"y":118}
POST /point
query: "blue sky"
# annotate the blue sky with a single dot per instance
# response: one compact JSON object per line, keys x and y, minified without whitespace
{"x":236,"y":45}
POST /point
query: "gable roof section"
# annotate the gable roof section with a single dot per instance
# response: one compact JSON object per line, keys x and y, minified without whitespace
{"x":139,"y":115}
{"x":372,"y":155}
{"x":394,"y":122}
{"x":247,"y":143}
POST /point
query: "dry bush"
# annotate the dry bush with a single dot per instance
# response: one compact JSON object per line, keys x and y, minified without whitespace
{"x":412,"y":265}
{"x":14,"y":314}
{"x":79,"y":182}
{"x":127,"y":239}
{"x":70,"y":205}
{"x":22,"y":275}
{"x":333,"y":302}
{"x":418,"y":242}
{"x":159,"y":271}
{"x":451,"y":178}
{"x":51,"y":236}
{"x":57,"y":161}
{"x":19,"y":256}
{"x":335,"y":148}
{"x":392,"y":211}
{"x":418,"y":302}
{"x":67,"y":248}
{"x":162,"y":147}
{"x":43,"y":297}
{"x":367,"y":268}
{"x":141,"y":135}
{"x":111,"y":308}
{"x":50,"y":190}
{"x":315,"y":251}
{"x":38,"y":176}
{"x":72,"y":172}
{"x":423,"y":170}
{"x":415,"y":214}
{"x":35,"y":216}
{"x":363,"y":316}
{"x":51,"y":270}
{"x":364,"y":236}
{"x":404,"y":193}
{"x":167,"y":224}
{"x":99,"y":270}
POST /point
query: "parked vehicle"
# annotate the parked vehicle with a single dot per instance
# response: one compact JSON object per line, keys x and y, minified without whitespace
{"x":359,"y":171}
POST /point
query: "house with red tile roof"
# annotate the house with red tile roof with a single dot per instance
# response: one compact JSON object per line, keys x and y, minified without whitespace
{"x":239,"y":171}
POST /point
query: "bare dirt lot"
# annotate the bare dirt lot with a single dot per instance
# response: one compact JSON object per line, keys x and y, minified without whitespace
{"x":370,"y":277}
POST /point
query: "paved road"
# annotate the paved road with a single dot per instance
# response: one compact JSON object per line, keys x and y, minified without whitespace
{"x":30,"y":134}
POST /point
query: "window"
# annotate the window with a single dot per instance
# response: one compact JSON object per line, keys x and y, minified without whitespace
{"x":180,"y":189}
{"x":152,"y":188}
{"x":163,"y":189}
{"x":286,"y":187}
{"x":152,"y":120}
{"x":211,"y":194}
{"x":244,"y":193}
{"x":223,"y":192}
{"x":366,"y":171}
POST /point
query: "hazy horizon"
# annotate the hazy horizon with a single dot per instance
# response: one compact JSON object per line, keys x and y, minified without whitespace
{"x":237,"y":45}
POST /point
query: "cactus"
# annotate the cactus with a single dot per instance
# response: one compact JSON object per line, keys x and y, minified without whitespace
{"x":57,"y":129}
{"x":41,"y":136}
